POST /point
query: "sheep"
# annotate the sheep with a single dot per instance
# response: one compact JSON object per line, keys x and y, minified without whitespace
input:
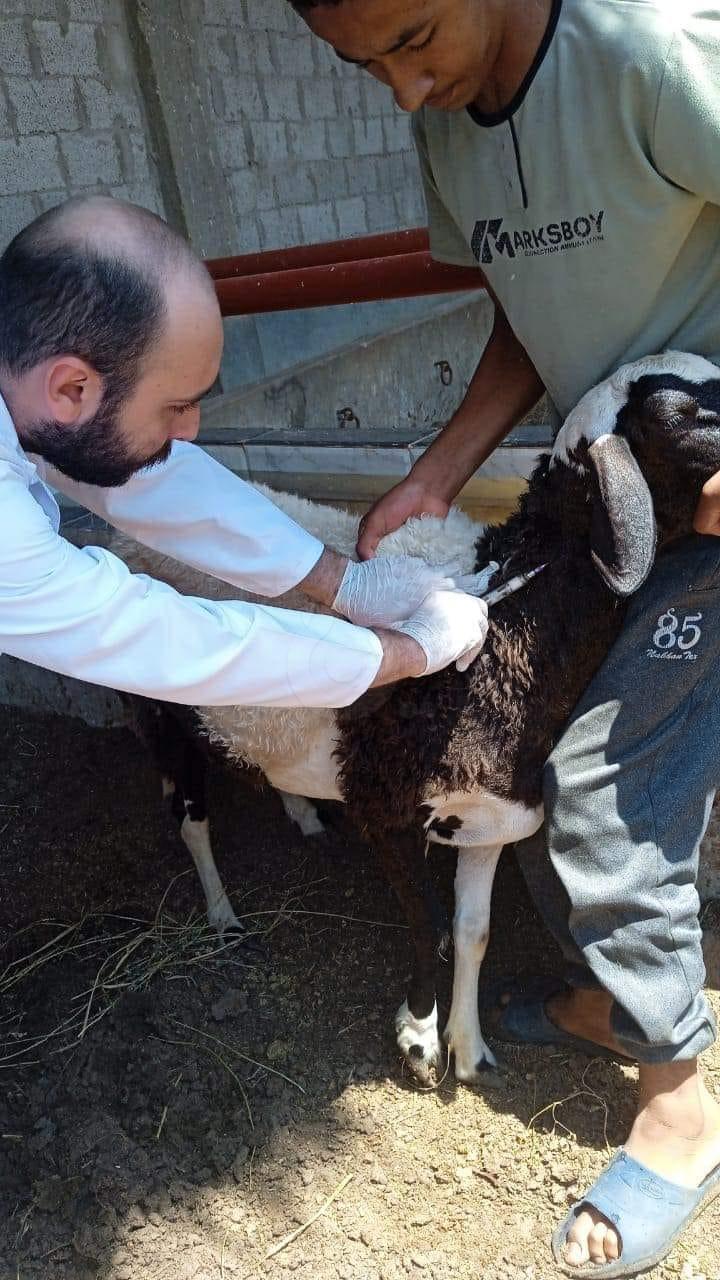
{"x":269,"y":739}
{"x":461,"y":754}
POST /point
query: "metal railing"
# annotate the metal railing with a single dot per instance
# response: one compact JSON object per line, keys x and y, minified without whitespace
{"x":364,"y":269}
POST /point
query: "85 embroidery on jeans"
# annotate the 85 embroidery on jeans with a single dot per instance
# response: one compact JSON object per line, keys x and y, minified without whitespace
{"x":675,"y":638}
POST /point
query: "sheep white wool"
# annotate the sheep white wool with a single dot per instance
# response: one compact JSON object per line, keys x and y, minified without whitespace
{"x":273,"y":737}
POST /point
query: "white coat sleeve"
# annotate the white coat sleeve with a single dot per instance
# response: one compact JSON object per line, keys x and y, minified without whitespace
{"x":82,"y":613}
{"x":196,"y":510}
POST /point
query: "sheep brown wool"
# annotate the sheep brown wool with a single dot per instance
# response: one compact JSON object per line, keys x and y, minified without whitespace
{"x":493,"y":726}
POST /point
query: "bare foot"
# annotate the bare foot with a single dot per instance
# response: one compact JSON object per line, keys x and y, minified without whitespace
{"x":676,"y":1133}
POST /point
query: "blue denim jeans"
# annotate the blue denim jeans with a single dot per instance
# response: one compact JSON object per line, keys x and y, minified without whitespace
{"x":628,"y":792}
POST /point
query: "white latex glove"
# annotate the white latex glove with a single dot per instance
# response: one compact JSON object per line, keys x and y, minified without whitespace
{"x":450,"y":626}
{"x":389,"y":589}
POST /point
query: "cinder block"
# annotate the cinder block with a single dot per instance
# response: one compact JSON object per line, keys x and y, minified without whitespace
{"x":95,"y":10}
{"x":219,"y":50}
{"x":49,"y":199}
{"x":349,"y":94}
{"x":351,"y":216}
{"x":326,"y":60}
{"x":381,"y":212}
{"x":247,"y":236}
{"x":243,"y":188}
{"x":269,"y":141}
{"x":274,"y":15}
{"x":410,"y":207}
{"x":328,"y":179}
{"x":30,"y":165}
{"x":137,"y":163}
{"x":252,"y":51}
{"x":397,"y":132}
{"x":240,"y":99}
{"x":368,"y":137}
{"x":377,"y":97}
{"x":340,"y":138}
{"x":147,"y":199}
{"x":266,"y":196}
{"x":293,"y":184}
{"x":307,"y":140}
{"x":384,"y":169}
{"x":281,"y":97}
{"x":318,"y":221}
{"x":319,"y":101}
{"x":67,"y":51}
{"x":43,"y":106}
{"x":279,"y":227}
{"x":15,"y":213}
{"x":220,"y":12}
{"x":91,"y":161}
{"x":103,"y":105}
{"x":231,"y":145}
{"x":292,"y":55}
{"x":33,"y":8}
{"x":5,"y":130}
{"x":362,"y":173}
{"x":14,"y":50}
{"x":411,"y":165}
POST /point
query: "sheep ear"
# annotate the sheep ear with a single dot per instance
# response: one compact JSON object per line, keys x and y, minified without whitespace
{"x":623,"y":533}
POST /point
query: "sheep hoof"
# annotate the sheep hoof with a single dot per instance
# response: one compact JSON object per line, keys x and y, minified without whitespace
{"x":473,"y":1059}
{"x":419,"y":1043}
{"x":230,"y":930}
{"x":303,"y":813}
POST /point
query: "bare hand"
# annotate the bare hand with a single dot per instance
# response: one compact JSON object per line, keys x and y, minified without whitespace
{"x":409,"y":498}
{"x":707,"y":512}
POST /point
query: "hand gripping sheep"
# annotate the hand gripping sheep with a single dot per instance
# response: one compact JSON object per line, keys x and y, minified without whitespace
{"x":461,"y":754}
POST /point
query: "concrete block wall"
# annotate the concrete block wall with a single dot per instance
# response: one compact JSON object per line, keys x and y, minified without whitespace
{"x":71,"y":114}
{"x":313,"y":149}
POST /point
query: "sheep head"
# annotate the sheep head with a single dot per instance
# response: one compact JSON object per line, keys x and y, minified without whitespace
{"x":673,"y":430}
{"x":647,"y":444}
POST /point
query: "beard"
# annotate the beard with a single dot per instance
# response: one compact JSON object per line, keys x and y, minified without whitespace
{"x":94,"y":453}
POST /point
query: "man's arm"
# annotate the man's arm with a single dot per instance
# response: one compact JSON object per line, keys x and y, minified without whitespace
{"x":505,"y":386}
{"x":196,"y":510}
{"x":82,"y":613}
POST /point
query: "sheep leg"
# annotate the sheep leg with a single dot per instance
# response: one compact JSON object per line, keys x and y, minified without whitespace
{"x":185,"y":789}
{"x":416,"y":1024}
{"x":169,"y":733}
{"x":473,"y":887}
{"x":303,"y":812}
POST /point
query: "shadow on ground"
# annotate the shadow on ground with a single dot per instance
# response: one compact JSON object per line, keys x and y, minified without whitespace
{"x":219,"y":1103}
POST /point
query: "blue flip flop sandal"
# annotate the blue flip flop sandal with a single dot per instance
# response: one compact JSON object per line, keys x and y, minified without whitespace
{"x":524,"y":1021}
{"x":649,"y":1213}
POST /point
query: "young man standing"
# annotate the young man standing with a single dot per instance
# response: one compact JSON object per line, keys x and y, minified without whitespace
{"x":569,"y":149}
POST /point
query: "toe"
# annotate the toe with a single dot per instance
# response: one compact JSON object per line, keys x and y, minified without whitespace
{"x":596,"y":1243}
{"x":591,"y":1238}
{"x":612,"y":1245}
{"x":577,"y":1252}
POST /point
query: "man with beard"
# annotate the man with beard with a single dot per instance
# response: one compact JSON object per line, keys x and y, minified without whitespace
{"x":569,"y":148}
{"x":110,"y":335}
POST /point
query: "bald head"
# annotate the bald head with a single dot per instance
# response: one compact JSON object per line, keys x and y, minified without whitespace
{"x":93,"y":277}
{"x":109,"y":228}
{"x":110,"y":336}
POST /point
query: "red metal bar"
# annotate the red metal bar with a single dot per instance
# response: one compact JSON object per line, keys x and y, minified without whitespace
{"x":357,"y":248}
{"x":405,"y":275}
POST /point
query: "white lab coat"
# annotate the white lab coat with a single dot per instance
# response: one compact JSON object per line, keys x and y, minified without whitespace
{"x":82,"y":613}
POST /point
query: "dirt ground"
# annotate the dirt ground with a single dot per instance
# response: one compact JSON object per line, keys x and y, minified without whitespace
{"x":171,"y":1113}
